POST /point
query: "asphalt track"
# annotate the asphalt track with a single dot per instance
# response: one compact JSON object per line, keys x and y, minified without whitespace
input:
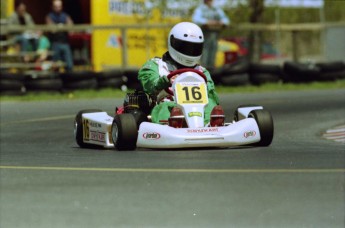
{"x":298,"y":181}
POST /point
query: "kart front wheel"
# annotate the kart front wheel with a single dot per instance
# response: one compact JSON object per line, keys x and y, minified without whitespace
{"x":124,"y":132}
{"x":265,"y":123}
{"x":79,"y":128}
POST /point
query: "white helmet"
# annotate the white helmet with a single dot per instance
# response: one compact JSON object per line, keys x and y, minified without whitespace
{"x":185,"y":43}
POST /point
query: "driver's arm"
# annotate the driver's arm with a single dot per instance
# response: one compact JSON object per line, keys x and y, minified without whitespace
{"x":150,"y":79}
{"x":211,"y":90}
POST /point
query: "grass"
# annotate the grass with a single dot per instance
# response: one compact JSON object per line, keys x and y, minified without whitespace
{"x":117,"y":93}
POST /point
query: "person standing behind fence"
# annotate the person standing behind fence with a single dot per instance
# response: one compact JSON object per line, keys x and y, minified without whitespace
{"x":212,"y":20}
{"x":60,"y":44}
{"x":26,"y":40}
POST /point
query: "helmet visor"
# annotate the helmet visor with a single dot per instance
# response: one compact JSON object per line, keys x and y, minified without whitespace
{"x":186,"y":47}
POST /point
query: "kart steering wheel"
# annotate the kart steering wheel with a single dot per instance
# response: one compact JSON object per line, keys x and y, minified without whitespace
{"x":180,"y":71}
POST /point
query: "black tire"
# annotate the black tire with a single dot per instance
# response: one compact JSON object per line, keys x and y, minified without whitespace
{"x":265,"y":68}
{"x":132,"y":79}
{"x":331,"y":67}
{"x":301,"y":72}
{"x":12,"y":84}
{"x":110,"y":83}
{"x":11,"y":76}
{"x":12,"y":92}
{"x":9,"y":84}
{"x":235,"y":79}
{"x":139,"y":117}
{"x":332,"y":76}
{"x":262,"y":78}
{"x":216,"y":75}
{"x":78,"y":128}
{"x":265,"y":123}
{"x":110,"y":79}
{"x":124,"y":132}
{"x":77,"y":76}
{"x":105,"y":75}
{"x":82,"y":84}
{"x":44,"y":84}
{"x":240,"y":67}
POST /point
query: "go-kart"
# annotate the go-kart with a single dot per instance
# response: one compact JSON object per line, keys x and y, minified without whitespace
{"x":131,"y":126}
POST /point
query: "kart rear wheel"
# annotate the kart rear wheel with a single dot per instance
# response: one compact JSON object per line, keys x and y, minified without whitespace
{"x":124,"y":132}
{"x":139,"y":117}
{"x":79,"y":128}
{"x":265,"y":123}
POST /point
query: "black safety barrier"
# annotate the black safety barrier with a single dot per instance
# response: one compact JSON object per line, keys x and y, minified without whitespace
{"x":238,"y":74}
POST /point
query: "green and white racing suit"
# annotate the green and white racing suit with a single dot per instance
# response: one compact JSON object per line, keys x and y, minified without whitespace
{"x":153,"y":78}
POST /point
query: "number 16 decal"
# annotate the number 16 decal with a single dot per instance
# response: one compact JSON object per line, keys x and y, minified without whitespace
{"x":191,"y":94}
{"x":195,"y":91}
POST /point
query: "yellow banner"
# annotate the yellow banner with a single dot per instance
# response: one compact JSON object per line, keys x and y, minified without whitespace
{"x":142,"y":44}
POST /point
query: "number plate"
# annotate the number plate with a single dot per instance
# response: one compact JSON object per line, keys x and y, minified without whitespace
{"x":191,"y":93}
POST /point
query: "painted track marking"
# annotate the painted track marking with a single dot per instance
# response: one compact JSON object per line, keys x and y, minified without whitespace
{"x":157,"y":170}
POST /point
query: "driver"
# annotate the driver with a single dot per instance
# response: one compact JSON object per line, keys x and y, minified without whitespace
{"x":185,"y":45}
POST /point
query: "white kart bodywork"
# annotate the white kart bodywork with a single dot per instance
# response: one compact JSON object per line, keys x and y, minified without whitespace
{"x":151,"y":135}
{"x":97,"y":127}
{"x":162,"y":136}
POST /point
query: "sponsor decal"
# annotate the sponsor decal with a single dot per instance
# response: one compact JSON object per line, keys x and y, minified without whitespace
{"x":190,"y":83}
{"x":126,"y":7}
{"x":97,"y":136}
{"x":190,"y":114}
{"x":151,"y":135}
{"x":95,"y":124}
{"x":249,"y":134}
{"x":202,"y":130}
{"x":114,"y":41}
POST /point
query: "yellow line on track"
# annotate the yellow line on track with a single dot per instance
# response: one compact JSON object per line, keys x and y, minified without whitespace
{"x":158,"y":170}
{"x":39,"y":120}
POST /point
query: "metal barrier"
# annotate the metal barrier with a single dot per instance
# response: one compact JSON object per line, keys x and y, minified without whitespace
{"x":85,"y":27}
{"x":294,"y":29}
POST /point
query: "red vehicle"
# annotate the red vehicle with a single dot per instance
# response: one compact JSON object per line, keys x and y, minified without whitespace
{"x":268,"y":50}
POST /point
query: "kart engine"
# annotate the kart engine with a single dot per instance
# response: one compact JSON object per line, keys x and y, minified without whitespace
{"x":138,"y":100}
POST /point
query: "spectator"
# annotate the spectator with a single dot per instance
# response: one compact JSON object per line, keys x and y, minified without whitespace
{"x":60,"y":46}
{"x":42,"y":47}
{"x":212,"y":20}
{"x":26,"y":40}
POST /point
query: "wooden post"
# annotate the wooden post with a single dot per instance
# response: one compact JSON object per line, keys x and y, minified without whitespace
{"x":124,"y":52}
{"x":295,"y":56}
{"x":254,"y":39}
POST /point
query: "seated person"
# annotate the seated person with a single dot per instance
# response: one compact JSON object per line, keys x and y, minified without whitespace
{"x":42,"y":47}
{"x":26,"y":40}
{"x":185,"y":45}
